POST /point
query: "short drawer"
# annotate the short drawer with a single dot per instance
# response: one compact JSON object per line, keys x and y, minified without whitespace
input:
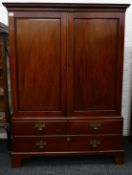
{"x":34,"y":127}
{"x":40,"y":144}
{"x":95,"y":143}
{"x":95,"y":126}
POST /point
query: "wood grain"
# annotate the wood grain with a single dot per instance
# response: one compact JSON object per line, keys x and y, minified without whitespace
{"x":94,"y":59}
{"x":28,"y":127}
{"x":38,"y":56}
{"x":66,"y":65}
{"x":95,"y":126}
{"x":38,"y":70}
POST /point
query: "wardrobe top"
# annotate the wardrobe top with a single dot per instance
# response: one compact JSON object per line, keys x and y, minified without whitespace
{"x":65,"y":6}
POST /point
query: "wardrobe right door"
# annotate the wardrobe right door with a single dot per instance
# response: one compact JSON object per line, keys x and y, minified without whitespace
{"x":95,"y":45}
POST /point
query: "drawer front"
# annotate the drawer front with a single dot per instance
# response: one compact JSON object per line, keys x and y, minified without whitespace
{"x":95,"y":126}
{"x":67,"y":143}
{"x":40,"y":144}
{"x":35,"y":127}
{"x":96,"y":143}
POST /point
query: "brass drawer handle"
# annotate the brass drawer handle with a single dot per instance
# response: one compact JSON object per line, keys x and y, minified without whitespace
{"x":68,"y":139}
{"x":95,"y":125}
{"x":95,"y":143}
{"x":41,"y":144}
{"x":2,"y":115}
{"x":1,"y":92}
{"x":40,"y":126}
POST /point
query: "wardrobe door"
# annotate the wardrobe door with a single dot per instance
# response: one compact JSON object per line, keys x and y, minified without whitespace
{"x":38,"y":63}
{"x":95,"y":63}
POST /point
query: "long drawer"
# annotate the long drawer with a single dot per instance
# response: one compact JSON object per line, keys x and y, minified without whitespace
{"x":36,"y":127}
{"x":95,"y":126}
{"x":67,"y":143}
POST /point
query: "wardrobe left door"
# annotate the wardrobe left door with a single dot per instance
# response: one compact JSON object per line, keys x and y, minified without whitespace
{"x":38,"y":63}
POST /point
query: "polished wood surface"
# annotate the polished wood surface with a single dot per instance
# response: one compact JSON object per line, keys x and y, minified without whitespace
{"x":66,"y":76}
{"x":95,"y":75}
{"x":98,"y":142}
{"x":96,"y":126}
{"x":67,"y":143}
{"x":66,"y":7}
{"x":39,"y":65}
{"x":32,"y":127}
{"x":94,"y":78}
{"x":37,"y":59}
{"x":49,"y":144}
{"x":71,"y":126}
{"x":38,"y":69}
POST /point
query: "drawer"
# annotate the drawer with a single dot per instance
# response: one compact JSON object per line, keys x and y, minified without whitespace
{"x":95,"y":143}
{"x":67,"y":143}
{"x":34,"y":127}
{"x":40,"y":144}
{"x":95,"y":126}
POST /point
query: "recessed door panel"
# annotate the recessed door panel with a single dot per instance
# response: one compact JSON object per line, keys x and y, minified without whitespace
{"x":40,"y":61}
{"x":93,"y":64}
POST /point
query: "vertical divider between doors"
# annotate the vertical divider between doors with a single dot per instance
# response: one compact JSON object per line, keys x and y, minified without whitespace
{"x":64,"y":64}
{"x":67,"y":62}
{"x":70,"y":64}
{"x":67,"y":69}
